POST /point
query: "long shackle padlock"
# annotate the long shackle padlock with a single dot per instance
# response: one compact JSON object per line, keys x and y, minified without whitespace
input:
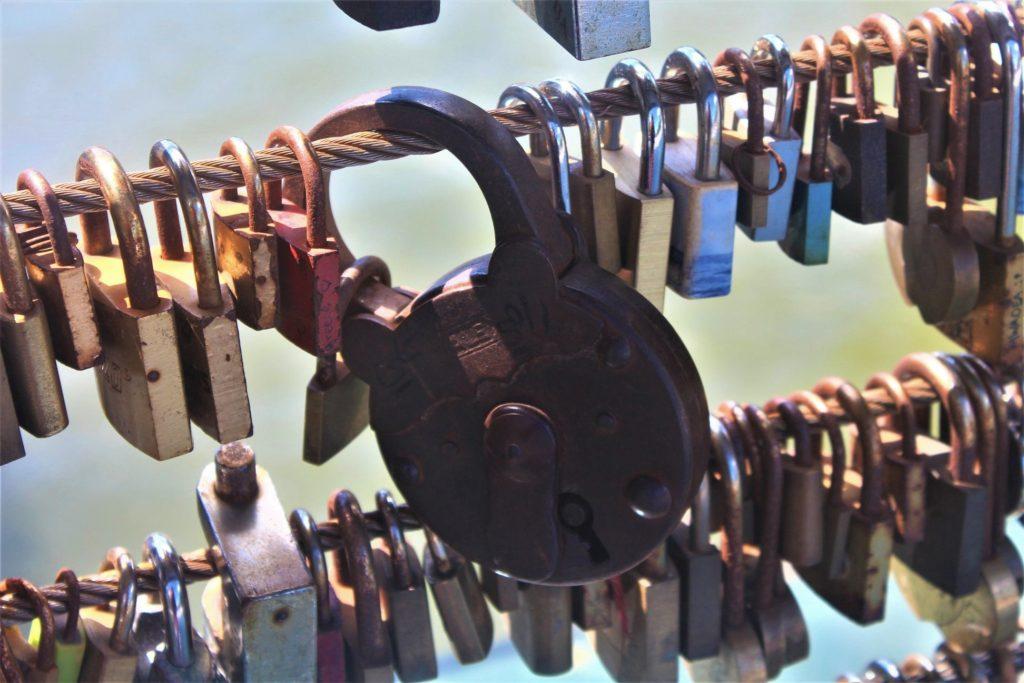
{"x":704,"y":214}
{"x":447,"y":418}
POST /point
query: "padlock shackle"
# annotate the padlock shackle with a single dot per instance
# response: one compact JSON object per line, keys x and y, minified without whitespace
{"x":771,"y":46}
{"x":401,"y":564}
{"x":314,"y":198}
{"x":862,"y":73}
{"x":174,"y":599}
{"x":979,"y":40}
{"x":818,"y":169}
{"x":551,"y":141}
{"x":837,"y":445}
{"x":745,"y":69}
{"x":439,"y":553}
{"x":46,"y":651}
{"x":73,"y":604}
{"x":934,"y":51}
{"x":644,"y":87}
{"x":17,"y":292}
{"x":307,"y":536}
{"x":574,"y":98}
{"x":763,"y":446}
{"x":197,"y":222}
{"x":908,"y":85}
{"x":796,"y":427}
{"x":361,"y":271}
{"x":518,"y":202}
{"x":723,"y":455}
{"x":255,"y":197}
{"x":691,"y":62}
{"x":118,"y":559}
{"x":53,"y":219}
{"x":956,"y":403}
{"x":133,"y":243}
{"x":905,"y":413}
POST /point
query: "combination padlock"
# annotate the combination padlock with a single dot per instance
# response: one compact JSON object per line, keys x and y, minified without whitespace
{"x":514,"y":472}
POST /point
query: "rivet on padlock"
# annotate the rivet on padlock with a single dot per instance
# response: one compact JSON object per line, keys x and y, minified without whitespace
{"x":69,"y":646}
{"x":405,"y":597}
{"x":35,"y":663}
{"x":11,"y":446}
{"x":810,"y":217}
{"x":59,"y":278}
{"x":204,"y":313}
{"x":541,"y":628}
{"x":367,"y":642}
{"x":246,"y":242}
{"x":269,"y":617}
{"x":644,"y":202}
{"x":859,"y":592}
{"x":591,"y":186}
{"x":25,"y":336}
{"x":704,"y":214}
{"x":330,"y":640}
{"x":985,"y":137}
{"x":906,"y":148}
{"x":140,"y":380}
{"x":110,"y":654}
{"x":949,"y":556}
{"x":459,"y":600}
{"x":859,"y":131}
{"x":758,"y":168}
{"x":739,"y":657}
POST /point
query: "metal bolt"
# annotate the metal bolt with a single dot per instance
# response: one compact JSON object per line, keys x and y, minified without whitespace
{"x":236,"y":473}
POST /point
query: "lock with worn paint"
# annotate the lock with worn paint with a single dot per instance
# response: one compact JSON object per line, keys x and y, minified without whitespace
{"x":706,"y":195}
{"x":459,"y":599}
{"x":140,"y":381}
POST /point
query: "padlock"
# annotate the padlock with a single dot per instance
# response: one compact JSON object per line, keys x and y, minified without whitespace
{"x":58,"y":275}
{"x":140,"y":380}
{"x":456,"y":380}
{"x":541,"y":628}
{"x":859,"y":131}
{"x":837,"y":512}
{"x":11,"y":446}
{"x":169,"y":648}
{"x":368,"y":653}
{"x":934,"y":91}
{"x":330,"y":641}
{"x":204,"y":315}
{"x":25,"y":335}
{"x":309,"y":260}
{"x":859,"y":591}
{"x":270,"y":617}
{"x":906,"y":141}
{"x":740,"y":657}
{"x":810,"y":217}
{"x":803,"y":500}
{"x":459,"y":599}
{"x":706,"y":195}
{"x":699,"y":565}
{"x":405,"y":597}
{"x":337,"y":408}
{"x":246,"y":242}
{"x":758,"y":169}
{"x":591,"y":186}
{"x":69,"y":643}
{"x":548,"y":152}
{"x":35,"y":663}
{"x":110,"y":653}
{"x":905,"y":468}
{"x":644,"y":203}
{"x":985,"y":137}
{"x":501,"y":591}
{"x":941,"y":268}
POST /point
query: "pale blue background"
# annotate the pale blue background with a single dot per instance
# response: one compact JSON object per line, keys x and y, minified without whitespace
{"x":123,"y":75}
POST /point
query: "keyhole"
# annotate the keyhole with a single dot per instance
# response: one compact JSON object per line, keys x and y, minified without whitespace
{"x":576,"y":515}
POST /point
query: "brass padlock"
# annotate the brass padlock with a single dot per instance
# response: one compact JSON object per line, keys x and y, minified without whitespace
{"x":247,"y":243}
{"x":11,"y":446}
{"x":204,"y":312}
{"x":36,"y":664}
{"x":58,"y":275}
{"x":140,"y":380}
{"x":25,"y":336}
{"x":110,"y":654}
{"x":459,"y":599}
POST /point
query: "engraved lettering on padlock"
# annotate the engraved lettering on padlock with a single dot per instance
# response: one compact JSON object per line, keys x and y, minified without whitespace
{"x":110,"y":653}
{"x":140,"y":380}
{"x":204,"y":313}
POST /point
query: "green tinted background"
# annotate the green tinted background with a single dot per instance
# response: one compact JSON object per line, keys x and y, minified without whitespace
{"x":123,"y":75}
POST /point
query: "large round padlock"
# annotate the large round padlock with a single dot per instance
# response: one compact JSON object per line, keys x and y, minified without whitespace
{"x":536,"y":412}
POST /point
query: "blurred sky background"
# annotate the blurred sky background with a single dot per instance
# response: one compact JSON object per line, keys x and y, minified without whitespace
{"x":125,"y":74}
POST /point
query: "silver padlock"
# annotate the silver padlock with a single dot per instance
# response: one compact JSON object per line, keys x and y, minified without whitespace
{"x":704,"y":214}
{"x":110,"y":653}
{"x":269,"y":605}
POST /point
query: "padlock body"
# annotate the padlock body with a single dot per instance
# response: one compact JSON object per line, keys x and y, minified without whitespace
{"x":408,"y":618}
{"x":803,"y":505}
{"x":64,"y":291}
{"x":703,"y":225}
{"x":594,"y":211}
{"x":11,"y":446}
{"x":906,"y":173}
{"x":810,"y":219}
{"x":541,"y":629}
{"x":592,"y":605}
{"x":31,"y":370}
{"x":905,"y":483}
{"x":462,"y":607}
{"x":336,"y":413}
{"x":501,"y":591}
{"x":101,"y":662}
{"x":249,"y":260}
{"x":984,"y":148}
{"x":863,"y":141}
{"x":760,"y":171}
{"x":700,"y":599}
{"x":781,"y":201}
{"x":935,"y":122}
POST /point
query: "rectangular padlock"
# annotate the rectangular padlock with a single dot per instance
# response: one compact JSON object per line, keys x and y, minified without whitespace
{"x":337,"y":410}
{"x":541,"y":628}
{"x":11,"y":445}
{"x":459,"y":599}
{"x":592,"y":606}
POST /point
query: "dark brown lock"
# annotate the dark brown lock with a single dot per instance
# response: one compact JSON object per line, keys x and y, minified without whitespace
{"x":518,"y":471}
{"x":859,"y":131}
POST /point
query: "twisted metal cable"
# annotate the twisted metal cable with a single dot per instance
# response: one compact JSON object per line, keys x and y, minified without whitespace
{"x":372,"y":146}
